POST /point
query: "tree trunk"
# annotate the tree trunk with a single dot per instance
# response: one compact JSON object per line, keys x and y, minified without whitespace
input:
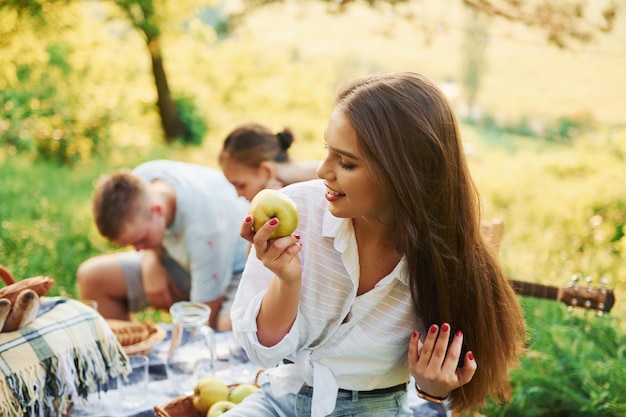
{"x":475,"y":42}
{"x":173,"y":126}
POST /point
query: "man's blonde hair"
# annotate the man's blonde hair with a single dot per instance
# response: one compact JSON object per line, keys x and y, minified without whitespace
{"x":118,"y":198}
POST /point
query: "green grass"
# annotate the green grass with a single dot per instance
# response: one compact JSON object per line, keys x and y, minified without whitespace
{"x":46,"y":224}
{"x":574,"y":366}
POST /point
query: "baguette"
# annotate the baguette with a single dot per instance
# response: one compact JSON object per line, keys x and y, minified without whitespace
{"x":23,"y":312}
{"x":5,"y":309}
{"x":31,"y":310}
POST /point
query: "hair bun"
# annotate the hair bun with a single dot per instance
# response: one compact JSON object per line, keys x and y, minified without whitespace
{"x":285,"y":139}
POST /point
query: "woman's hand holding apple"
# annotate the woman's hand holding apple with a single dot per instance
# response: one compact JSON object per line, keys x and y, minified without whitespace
{"x":268,"y":204}
{"x":280,"y":255}
{"x":277,"y":248}
{"x":280,"y":303}
{"x":272,"y":220}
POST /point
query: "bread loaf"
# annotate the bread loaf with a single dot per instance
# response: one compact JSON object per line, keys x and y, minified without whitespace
{"x":128,"y":332}
{"x":23,"y":312}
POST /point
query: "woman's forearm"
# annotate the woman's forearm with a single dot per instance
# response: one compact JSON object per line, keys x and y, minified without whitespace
{"x":279,"y":309}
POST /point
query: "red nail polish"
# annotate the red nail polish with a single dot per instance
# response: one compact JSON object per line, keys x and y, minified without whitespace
{"x":445,"y":327}
{"x":414,"y":333}
{"x":470,"y":356}
{"x":459,"y":333}
{"x":248,"y":219}
{"x":274,"y":221}
{"x":433,"y":328}
{"x":297,"y":237}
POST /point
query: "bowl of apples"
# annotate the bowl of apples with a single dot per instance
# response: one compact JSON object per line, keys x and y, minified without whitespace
{"x":211,"y":398}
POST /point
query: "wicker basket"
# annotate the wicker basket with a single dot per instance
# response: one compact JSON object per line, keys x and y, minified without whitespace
{"x":136,"y":338}
{"x":183,"y":406}
{"x":178,"y":407}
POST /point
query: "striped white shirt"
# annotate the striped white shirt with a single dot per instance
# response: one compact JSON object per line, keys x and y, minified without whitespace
{"x":339,"y":339}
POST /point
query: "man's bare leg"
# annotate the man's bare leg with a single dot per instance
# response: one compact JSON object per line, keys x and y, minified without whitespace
{"x":102,"y":279}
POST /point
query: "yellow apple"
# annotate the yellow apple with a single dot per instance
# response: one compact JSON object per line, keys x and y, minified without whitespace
{"x":220,"y":408}
{"x":208,"y":391}
{"x":241,"y":391}
{"x":270,"y":203}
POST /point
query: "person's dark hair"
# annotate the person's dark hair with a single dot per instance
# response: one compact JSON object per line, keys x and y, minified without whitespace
{"x":118,"y":198}
{"x":407,"y":131}
{"x":252,"y":143}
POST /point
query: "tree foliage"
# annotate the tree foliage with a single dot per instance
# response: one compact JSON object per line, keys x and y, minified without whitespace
{"x":39,"y":70}
{"x":149,"y":18}
{"x":563,"y":21}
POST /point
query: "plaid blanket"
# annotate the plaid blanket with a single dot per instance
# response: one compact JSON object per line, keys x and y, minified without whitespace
{"x":67,"y":352}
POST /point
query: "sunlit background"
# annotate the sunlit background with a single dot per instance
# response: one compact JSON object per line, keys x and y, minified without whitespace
{"x":544,"y":128}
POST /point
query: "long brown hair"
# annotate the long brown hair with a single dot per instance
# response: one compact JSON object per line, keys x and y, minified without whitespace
{"x":408,"y":131}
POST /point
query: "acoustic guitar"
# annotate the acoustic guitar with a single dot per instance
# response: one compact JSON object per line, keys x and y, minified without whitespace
{"x":574,"y":295}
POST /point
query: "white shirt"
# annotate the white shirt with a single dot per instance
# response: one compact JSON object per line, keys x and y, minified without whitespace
{"x":339,"y":339}
{"x":204,"y":237}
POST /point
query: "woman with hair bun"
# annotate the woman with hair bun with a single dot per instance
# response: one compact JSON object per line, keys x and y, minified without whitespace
{"x":253,"y":158}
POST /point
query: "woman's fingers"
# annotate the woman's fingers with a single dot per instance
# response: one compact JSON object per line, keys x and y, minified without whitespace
{"x":261,"y":236}
{"x":257,"y":237}
{"x":434,"y":361}
{"x":277,"y":254}
{"x":426,"y":348}
{"x":441,"y":346}
{"x":435,"y":345}
{"x":453,"y":353}
{"x":246,"y":231}
{"x":466,"y":373}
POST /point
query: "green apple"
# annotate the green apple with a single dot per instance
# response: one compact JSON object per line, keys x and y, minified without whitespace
{"x":241,"y":391}
{"x":208,"y":391}
{"x":270,"y":203}
{"x":220,"y":408}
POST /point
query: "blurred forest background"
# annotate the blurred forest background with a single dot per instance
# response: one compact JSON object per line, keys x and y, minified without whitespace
{"x":90,"y":86}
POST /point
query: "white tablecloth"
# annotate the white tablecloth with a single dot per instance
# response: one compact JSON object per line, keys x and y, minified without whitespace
{"x":107,"y":404}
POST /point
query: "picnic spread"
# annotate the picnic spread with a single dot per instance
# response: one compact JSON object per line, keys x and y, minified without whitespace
{"x":54,"y":362}
{"x":60,"y":358}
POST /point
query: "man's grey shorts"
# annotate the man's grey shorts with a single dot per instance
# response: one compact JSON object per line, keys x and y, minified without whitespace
{"x":131,"y":265}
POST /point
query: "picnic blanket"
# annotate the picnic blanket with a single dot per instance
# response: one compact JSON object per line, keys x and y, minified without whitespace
{"x":67,"y":352}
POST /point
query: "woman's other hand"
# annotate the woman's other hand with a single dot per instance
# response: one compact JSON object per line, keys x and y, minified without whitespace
{"x":434,"y":364}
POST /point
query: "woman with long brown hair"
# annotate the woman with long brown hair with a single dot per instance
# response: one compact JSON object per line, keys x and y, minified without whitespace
{"x":387,"y":274}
